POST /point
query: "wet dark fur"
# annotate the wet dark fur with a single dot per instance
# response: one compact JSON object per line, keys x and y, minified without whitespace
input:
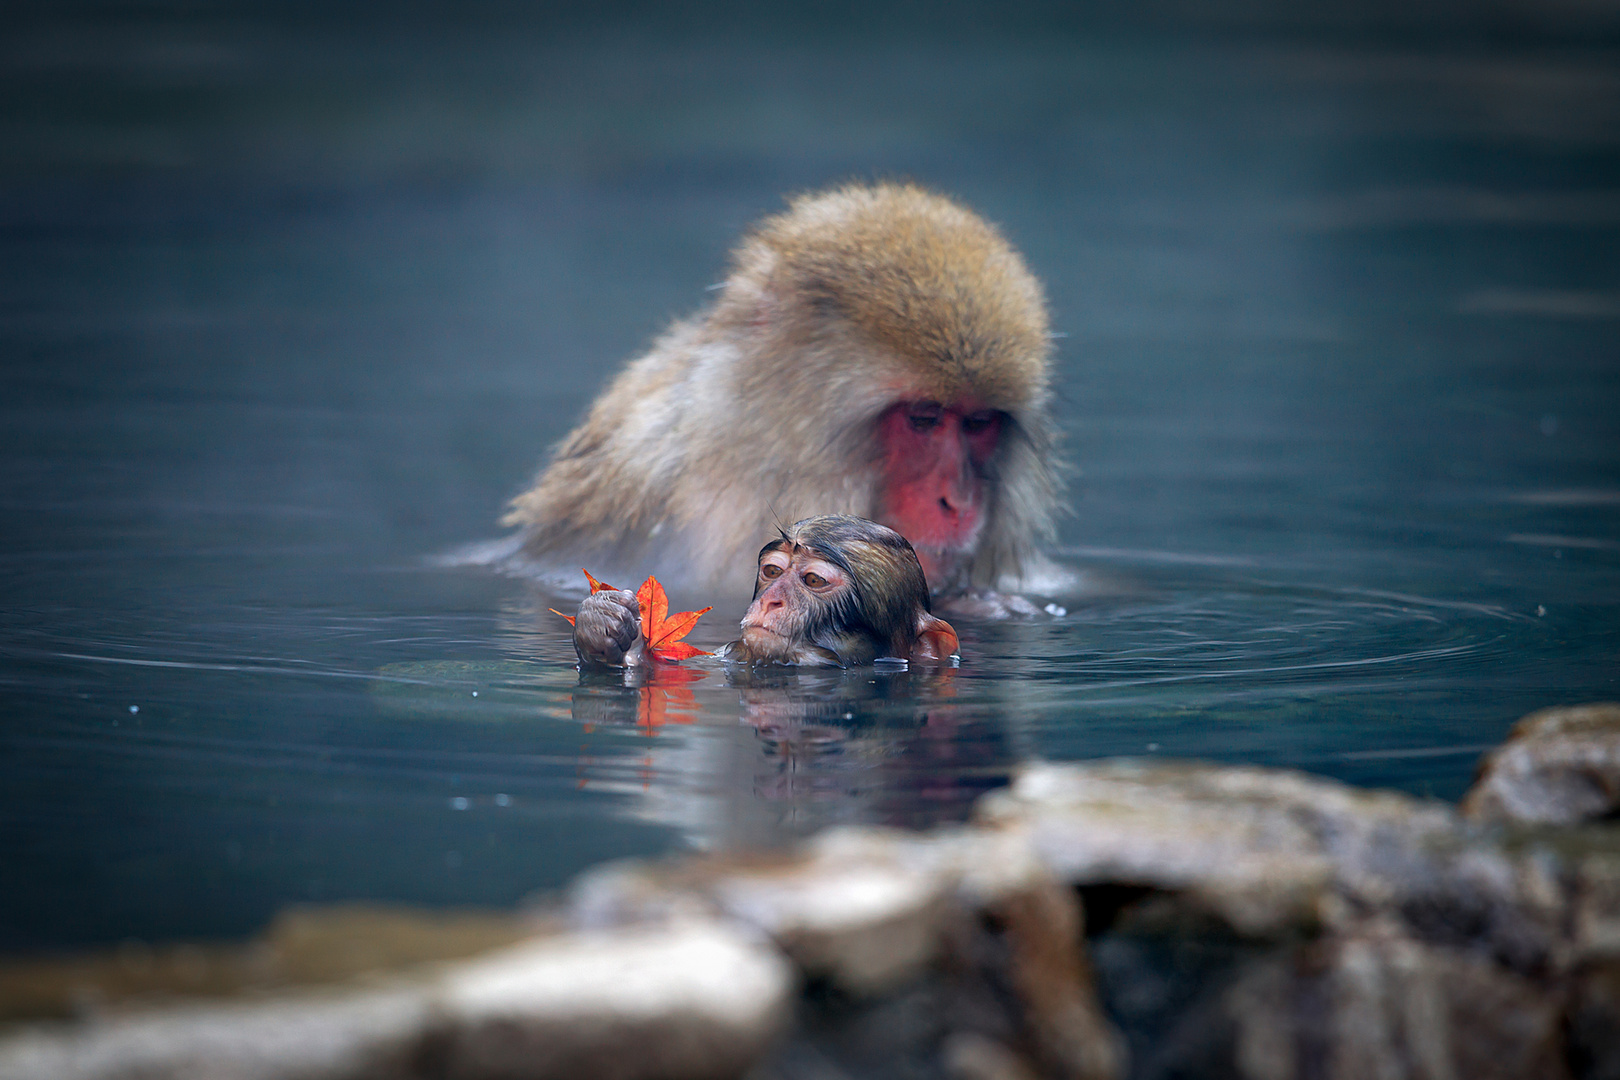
{"x":876,"y":616}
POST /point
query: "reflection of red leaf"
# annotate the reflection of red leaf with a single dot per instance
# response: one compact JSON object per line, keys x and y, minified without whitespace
{"x":596,"y":587}
{"x":663,"y":631}
{"x":660,"y":706}
{"x":674,"y":678}
{"x":668,"y":698}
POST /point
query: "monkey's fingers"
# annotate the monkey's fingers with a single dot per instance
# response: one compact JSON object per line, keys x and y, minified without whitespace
{"x":607,"y":630}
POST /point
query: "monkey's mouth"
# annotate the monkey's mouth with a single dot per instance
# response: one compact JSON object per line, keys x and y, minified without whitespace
{"x":762,"y":645}
{"x":757,"y":636}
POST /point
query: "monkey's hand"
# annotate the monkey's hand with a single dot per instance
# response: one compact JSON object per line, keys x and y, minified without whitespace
{"x":607,"y":630}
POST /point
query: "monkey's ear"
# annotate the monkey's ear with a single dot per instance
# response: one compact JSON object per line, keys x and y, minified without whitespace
{"x":936,"y":639}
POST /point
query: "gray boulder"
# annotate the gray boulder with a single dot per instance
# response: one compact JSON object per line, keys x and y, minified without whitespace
{"x":1558,"y":767}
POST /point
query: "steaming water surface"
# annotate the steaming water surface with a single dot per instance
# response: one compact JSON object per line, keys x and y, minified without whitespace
{"x":1340,"y":379}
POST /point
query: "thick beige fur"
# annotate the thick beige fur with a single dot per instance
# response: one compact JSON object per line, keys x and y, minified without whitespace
{"x":761,"y":410}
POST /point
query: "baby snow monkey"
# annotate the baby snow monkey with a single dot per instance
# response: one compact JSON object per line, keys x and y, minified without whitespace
{"x":832,"y":591}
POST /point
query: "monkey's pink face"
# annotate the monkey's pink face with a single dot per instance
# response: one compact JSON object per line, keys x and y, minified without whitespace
{"x":934,"y":459}
{"x":792,"y":584}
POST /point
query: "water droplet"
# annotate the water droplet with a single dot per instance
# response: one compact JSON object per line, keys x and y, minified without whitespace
{"x":1057,"y":611}
{"x":1152,"y":746}
{"x":503,"y":799}
{"x":475,"y":693}
{"x":134,"y":708}
{"x":1541,"y":610}
{"x":459,"y":803}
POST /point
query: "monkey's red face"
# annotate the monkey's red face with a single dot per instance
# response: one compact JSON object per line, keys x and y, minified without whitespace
{"x":839,"y":590}
{"x":793,"y":583}
{"x":934,"y":463}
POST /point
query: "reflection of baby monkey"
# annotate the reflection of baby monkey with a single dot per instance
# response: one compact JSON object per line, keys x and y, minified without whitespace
{"x":831,"y":591}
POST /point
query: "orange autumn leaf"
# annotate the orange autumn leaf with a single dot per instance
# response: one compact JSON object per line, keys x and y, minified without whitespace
{"x":663,"y":631}
{"x":596,"y":587}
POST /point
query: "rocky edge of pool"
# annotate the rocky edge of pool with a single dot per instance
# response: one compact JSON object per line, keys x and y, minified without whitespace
{"x":1116,"y":919}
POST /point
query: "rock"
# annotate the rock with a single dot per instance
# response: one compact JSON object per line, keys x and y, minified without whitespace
{"x":1370,"y":932}
{"x":861,"y":918}
{"x":968,"y":919}
{"x":1246,"y":922}
{"x":1261,"y":849}
{"x":1594,"y":1023}
{"x":689,"y":1002}
{"x":1276,"y":855}
{"x":1152,"y":825}
{"x":1595,"y":926}
{"x":682,"y":1001}
{"x":316,"y":1037}
{"x":1375,"y":1003}
{"x":849,"y":909}
{"x":970,"y":1056}
{"x":1558,"y":766}
{"x":304,"y":946}
{"x":1049,"y":974}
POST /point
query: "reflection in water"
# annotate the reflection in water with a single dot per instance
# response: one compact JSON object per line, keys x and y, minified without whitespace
{"x":646,"y":697}
{"x":1173,"y":655}
{"x":810,"y":747}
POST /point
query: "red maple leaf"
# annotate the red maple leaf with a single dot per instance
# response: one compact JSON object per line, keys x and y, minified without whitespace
{"x":659,"y":629}
{"x":663,"y":631}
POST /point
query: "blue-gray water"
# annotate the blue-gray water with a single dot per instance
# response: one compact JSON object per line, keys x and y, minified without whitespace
{"x":289,"y":309}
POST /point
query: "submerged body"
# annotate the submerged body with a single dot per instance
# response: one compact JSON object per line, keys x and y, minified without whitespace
{"x":876,"y":351}
{"x":829,"y":591}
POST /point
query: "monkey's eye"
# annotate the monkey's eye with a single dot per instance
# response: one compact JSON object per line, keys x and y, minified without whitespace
{"x":979,"y":421}
{"x":814,"y":580}
{"x":925,"y":416}
{"x":769,"y":571}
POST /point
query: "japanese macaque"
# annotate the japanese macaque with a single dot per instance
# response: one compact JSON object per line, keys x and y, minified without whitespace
{"x":876,"y":351}
{"x":830,"y":591}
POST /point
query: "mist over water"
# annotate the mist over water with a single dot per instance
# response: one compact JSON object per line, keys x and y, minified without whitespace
{"x":291,"y":307}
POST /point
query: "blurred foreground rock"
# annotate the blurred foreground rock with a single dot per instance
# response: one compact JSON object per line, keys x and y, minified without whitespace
{"x":1273,"y":926}
{"x":682,"y":1000}
{"x":1094,"y":922}
{"x":1558,"y":766}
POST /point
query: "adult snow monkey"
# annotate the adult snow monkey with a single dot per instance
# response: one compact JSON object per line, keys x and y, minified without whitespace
{"x":877,"y":351}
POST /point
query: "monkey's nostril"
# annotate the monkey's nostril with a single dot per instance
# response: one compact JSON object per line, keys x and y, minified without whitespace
{"x":946,"y":507}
